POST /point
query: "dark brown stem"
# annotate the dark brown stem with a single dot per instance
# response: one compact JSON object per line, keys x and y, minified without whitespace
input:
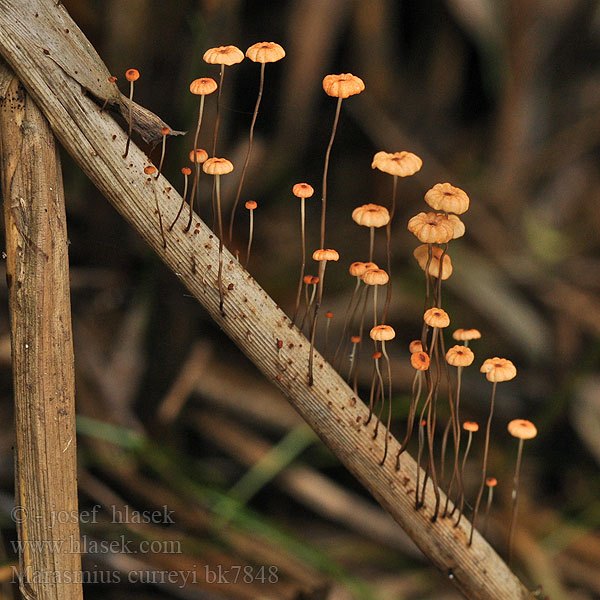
{"x":515,"y":495}
{"x":322,"y":265}
{"x":484,"y":468}
{"x":185,"y":189}
{"x":326,"y":168}
{"x":303,"y":266}
{"x":248,"y":152}
{"x":130,"y":129}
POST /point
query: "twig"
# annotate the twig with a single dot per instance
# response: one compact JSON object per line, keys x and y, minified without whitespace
{"x":254,"y":321}
{"x":37,"y":272}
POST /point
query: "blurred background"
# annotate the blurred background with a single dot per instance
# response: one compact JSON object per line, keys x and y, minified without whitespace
{"x":500,"y":99}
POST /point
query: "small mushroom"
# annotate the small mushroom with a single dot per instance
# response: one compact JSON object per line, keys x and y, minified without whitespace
{"x":522,"y":430}
{"x":131,"y":75}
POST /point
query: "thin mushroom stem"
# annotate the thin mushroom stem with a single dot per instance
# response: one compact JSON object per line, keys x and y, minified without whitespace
{"x":485,"y":459}
{"x":250,"y":238}
{"x":165,"y":132}
{"x":380,"y":391}
{"x":347,"y":323}
{"x":160,"y":223}
{"x":196,"y":163}
{"x":322,"y":265}
{"x":388,"y":236}
{"x":325,"y":170}
{"x":220,"y":220}
{"x":303,"y":266}
{"x":194,"y":192}
{"x":415,"y":396}
{"x":309,"y":303}
{"x":130,"y":129}
{"x":218,"y":115}
{"x":185,"y":190}
{"x":371,"y":243}
{"x":249,"y":150}
{"x":462,"y":475}
{"x":457,"y":435}
{"x":487,"y":509}
{"x":352,"y":355}
{"x":515,"y":494}
{"x":389,"y":418}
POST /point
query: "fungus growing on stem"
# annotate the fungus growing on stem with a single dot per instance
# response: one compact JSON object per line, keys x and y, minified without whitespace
{"x":302,"y":191}
{"x":421,"y":254}
{"x":164,"y":132}
{"x":466,"y":335}
{"x":522,"y":430}
{"x":496,"y":370}
{"x":447,"y":198}
{"x":491,"y":483}
{"x":251,"y":206}
{"x":384,"y":333}
{"x":322,"y":256}
{"x":150,"y":170}
{"x":431,"y":228}
{"x":375,"y":277}
{"x":131,"y":75}
{"x":371,"y":216}
{"x":202,"y":87}
{"x":420,"y":361}
{"x":263,"y":53}
{"x":225,"y":56}
{"x":186,"y":172}
{"x":339,"y":86}
{"x":470,"y":427}
{"x":198,"y":157}
{"x":355,"y":340}
{"x":397,"y":164}
{"x":217,"y":167}
{"x":459,"y":357}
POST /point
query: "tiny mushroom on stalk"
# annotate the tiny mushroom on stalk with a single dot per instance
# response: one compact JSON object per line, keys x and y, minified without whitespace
{"x":302,"y":191}
{"x":383,"y":334}
{"x":371,"y":216}
{"x":202,"y":87}
{"x":217,"y":167}
{"x":431,"y":228}
{"x":226,"y":56}
{"x":263,"y":53}
{"x":251,"y":206}
{"x":131,"y":75}
{"x":322,"y":256}
{"x":339,"y":86}
{"x":447,"y":198}
{"x":421,"y":254}
{"x":186,"y":172}
{"x":522,"y":430}
{"x":375,"y":277}
{"x":496,"y":370}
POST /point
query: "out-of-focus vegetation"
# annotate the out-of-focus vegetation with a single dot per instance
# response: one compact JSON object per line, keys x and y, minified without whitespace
{"x":500,"y":99}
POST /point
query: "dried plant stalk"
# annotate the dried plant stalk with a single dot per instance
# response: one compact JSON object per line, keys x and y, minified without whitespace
{"x":253,"y":319}
{"x":37,"y":272}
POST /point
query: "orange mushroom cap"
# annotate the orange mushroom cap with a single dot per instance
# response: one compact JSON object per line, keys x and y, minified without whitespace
{"x":446,"y":197}
{"x":265,"y":52}
{"x":132,"y":74}
{"x":382,"y":333}
{"x":203,"y":86}
{"x":223,"y":55}
{"x":522,"y":429}
{"x":343,"y":85}
{"x":371,"y":215}
{"x":303,"y":190}
{"x":401,"y":164}
{"x":217,"y":166}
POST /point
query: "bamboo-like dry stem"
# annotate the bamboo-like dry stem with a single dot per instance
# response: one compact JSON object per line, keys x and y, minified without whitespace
{"x":254,"y":321}
{"x":37,"y":272}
